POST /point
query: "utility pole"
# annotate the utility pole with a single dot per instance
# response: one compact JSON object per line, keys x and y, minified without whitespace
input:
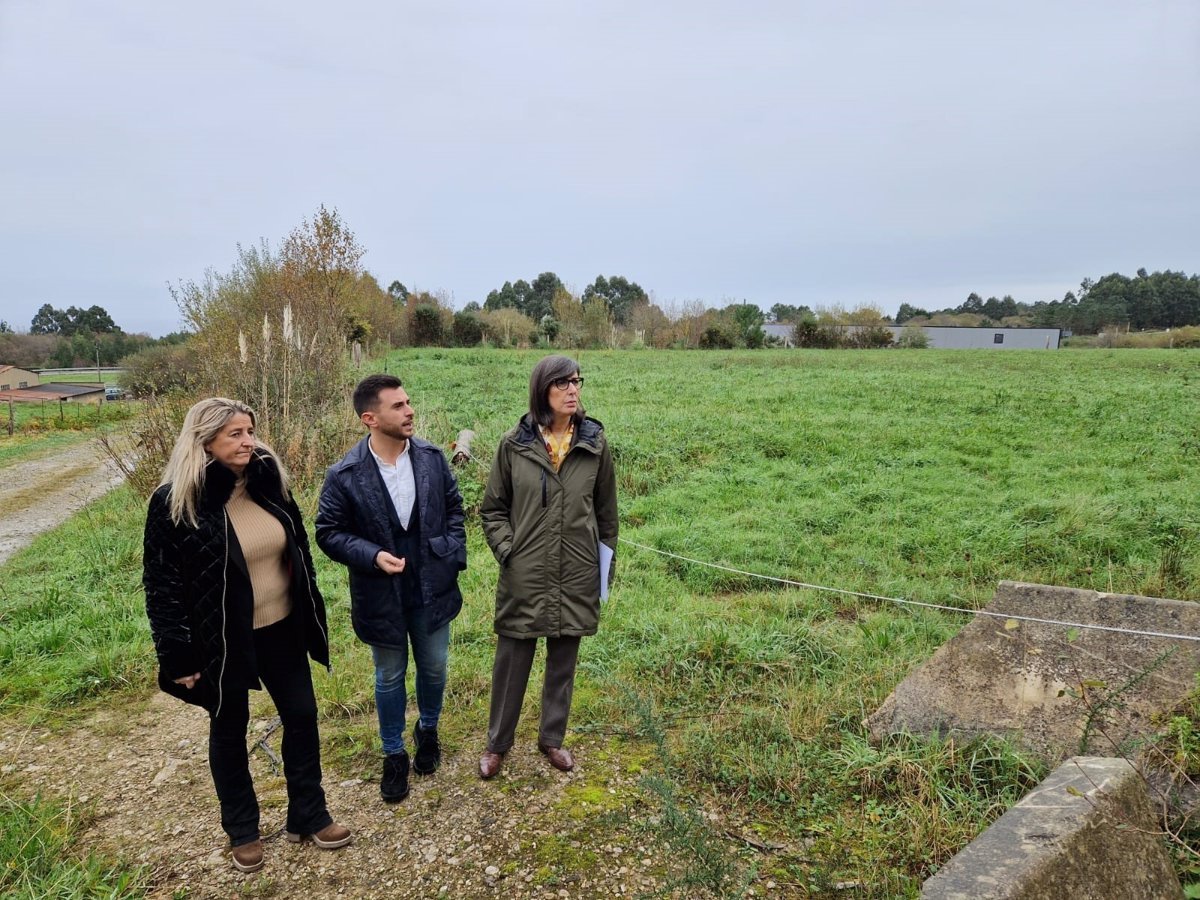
{"x":98,"y":361}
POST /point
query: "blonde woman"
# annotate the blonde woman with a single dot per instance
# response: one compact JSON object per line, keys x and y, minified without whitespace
{"x":233,"y":604}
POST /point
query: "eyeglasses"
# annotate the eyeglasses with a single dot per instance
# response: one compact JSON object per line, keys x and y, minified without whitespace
{"x":563,"y":383}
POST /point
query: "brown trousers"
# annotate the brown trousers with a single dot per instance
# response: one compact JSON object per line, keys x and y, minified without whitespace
{"x":510,"y":677}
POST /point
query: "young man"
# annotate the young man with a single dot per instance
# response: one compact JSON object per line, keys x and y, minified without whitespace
{"x":390,"y":511}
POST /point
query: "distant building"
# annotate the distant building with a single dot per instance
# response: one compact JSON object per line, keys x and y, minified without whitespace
{"x":955,"y":337}
{"x":782,"y":333}
{"x":12,"y":378}
{"x":57,"y":393}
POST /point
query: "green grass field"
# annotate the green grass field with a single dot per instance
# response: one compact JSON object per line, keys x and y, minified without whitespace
{"x":34,"y":419}
{"x":928,"y":475}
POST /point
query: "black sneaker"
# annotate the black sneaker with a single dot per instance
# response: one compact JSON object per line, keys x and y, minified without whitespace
{"x":394,"y":785}
{"x":429,"y":751}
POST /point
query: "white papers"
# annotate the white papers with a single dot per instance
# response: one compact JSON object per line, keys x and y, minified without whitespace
{"x":606,"y":557}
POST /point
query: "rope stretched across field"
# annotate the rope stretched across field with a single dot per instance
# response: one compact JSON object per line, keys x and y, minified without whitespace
{"x":904,"y":602}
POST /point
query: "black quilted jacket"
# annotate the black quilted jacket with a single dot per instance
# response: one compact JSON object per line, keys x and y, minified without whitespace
{"x":198,"y":593}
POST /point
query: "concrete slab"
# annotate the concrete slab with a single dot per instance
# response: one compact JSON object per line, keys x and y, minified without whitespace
{"x":1056,"y":691}
{"x":1087,"y":831}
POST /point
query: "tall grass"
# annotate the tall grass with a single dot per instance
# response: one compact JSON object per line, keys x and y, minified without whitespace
{"x":39,"y":857}
{"x":928,"y":476}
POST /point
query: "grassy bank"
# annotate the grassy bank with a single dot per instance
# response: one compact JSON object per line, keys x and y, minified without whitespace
{"x":40,"y":856}
{"x":929,"y":475}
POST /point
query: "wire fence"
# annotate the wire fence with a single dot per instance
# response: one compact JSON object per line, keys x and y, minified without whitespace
{"x":903,"y":601}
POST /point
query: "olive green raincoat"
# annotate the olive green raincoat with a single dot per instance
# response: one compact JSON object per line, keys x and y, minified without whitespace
{"x":545,"y":527}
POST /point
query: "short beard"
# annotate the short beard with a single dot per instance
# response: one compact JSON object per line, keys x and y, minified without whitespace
{"x":394,"y":433}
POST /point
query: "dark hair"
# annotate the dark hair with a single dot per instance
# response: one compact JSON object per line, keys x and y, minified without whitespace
{"x":547,"y":371}
{"x":366,"y":393}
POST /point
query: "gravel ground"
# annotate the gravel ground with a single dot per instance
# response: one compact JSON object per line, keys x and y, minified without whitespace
{"x":141,"y":772}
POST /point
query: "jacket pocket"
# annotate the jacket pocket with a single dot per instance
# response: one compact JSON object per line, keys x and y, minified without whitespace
{"x":446,"y":547}
{"x":203,"y":693}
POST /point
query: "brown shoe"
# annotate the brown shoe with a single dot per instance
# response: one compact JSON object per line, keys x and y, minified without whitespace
{"x":331,"y":837}
{"x":489,"y":763}
{"x":248,"y":857}
{"x":559,"y":758}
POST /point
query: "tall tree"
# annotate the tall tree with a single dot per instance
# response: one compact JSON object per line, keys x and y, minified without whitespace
{"x":47,"y":320}
{"x":619,"y":293}
{"x":510,"y":296}
{"x":93,"y":320}
{"x":908,"y":311}
{"x":973,"y":304}
{"x":539,"y":302}
{"x":747,"y":321}
{"x":784,"y":312}
{"x":398,"y":292}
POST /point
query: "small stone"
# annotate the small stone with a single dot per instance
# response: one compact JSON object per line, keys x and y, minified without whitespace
{"x":492,"y":871}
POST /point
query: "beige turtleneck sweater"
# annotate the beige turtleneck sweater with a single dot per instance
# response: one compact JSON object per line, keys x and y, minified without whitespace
{"x":264,"y":545}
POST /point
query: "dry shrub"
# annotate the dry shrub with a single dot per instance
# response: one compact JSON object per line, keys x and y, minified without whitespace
{"x":1184,"y":338}
{"x":142,"y":452}
{"x":275,"y":332}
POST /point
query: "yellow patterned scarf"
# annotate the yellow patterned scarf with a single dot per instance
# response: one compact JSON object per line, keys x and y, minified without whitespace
{"x":555,"y":446}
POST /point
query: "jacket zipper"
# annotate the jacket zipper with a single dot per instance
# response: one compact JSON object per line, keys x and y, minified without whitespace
{"x":224,"y":619}
{"x":543,"y":488}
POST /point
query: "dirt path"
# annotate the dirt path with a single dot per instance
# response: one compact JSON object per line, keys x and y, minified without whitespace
{"x":141,"y":769}
{"x":40,"y":493}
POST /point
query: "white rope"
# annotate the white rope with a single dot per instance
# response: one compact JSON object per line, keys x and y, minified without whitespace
{"x":901,"y":601}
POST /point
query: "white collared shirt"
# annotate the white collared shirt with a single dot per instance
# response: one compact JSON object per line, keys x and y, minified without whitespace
{"x":401,"y":485}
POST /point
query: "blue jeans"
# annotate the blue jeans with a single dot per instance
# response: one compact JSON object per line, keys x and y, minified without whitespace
{"x":430,"y":650}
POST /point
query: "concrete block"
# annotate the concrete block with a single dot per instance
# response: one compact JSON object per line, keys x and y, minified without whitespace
{"x":1088,"y":831}
{"x":1056,"y":691}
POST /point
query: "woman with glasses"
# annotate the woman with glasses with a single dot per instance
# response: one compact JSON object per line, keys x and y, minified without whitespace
{"x":551,"y":500}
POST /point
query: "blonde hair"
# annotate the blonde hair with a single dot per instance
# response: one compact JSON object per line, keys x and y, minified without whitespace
{"x":185,"y":471}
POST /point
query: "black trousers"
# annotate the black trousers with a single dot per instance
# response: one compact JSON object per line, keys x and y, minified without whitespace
{"x":510,"y":677}
{"x":283,"y":670}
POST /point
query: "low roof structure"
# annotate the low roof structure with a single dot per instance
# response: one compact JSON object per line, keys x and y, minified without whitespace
{"x":53,"y":392}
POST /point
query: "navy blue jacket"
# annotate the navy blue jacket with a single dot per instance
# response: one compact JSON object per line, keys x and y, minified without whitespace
{"x":354,"y":523}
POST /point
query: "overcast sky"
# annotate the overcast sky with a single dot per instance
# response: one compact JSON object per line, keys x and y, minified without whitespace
{"x":779,"y":152}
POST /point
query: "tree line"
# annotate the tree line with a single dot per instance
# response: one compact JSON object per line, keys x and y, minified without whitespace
{"x":1145,"y":302}
{"x":317,"y":274}
{"x":73,"y":338}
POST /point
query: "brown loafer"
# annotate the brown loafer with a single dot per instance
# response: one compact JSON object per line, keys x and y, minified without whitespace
{"x":489,"y":763}
{"x":248,"y":857}
{"x":331,"y":837}
{"x":559,"y":758}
